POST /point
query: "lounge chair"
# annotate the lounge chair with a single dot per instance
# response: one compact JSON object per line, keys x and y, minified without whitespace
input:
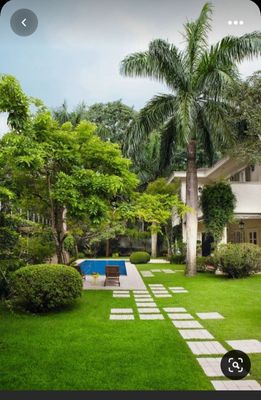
{"x":112,"y":273}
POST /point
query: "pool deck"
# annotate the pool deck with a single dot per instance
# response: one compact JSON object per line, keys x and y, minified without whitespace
{"x":131,"y":281}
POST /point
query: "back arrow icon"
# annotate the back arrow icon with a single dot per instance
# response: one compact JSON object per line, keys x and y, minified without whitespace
{"x":23,"y":22}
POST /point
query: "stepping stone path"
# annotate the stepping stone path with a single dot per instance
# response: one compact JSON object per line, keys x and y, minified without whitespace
{"x":195,"y":334}
{"x":211,"y":366}
{"x":212,"y":347}
{"x":148,"y":310}
{"x":121,"y":311}
{"x":180,"y":316}
{"x":247,"y":346}
{"x":146,"y":304}
{"x":187,"y":324}
{"x":168,"y":271}
{"x":121,"y":293}
{"x":174,"y":309}
{"x":189,"y":329}
{"x":151,"y":316}
{"x":236,"y":385}
{"x":146,"y":274}
{"x":211,"y":315}
{"x":121,"y":317}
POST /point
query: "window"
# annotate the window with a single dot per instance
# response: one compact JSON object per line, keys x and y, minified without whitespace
{"x":237,"y":237}
{"x":252,"y":237}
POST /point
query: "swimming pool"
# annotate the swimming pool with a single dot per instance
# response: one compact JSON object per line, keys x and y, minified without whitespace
{"x":88,"y":267}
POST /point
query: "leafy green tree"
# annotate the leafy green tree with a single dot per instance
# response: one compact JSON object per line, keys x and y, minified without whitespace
{"x":156,"y":207}
{"x":112,"y":119}
{"x":14,"y":102}
{"x":70,"y":172}
{"x":194,"y":112}
{"x":247,"y":119}
{"x":62,"y":114}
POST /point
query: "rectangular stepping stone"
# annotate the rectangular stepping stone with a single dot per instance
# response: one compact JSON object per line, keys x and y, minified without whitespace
{"x":211,"y":315}
{"x":210,"y":347}
{"x":180,"y":316}
{"x":144,"y":299}
{"x":162,"y":295}
{"x":148,"y":310}
{"x":121,"y":292}
{"x":236,"y":385}
{"x":168,"y":271}
{"x":187,"y":324}
{"x":121,"y":317}
{"x":154,"y":285}
{"x":121,"y":311}
{"x":177,"y":288}
{"x":247,"y":346}
{"x":137,"y":296}
{"x":211,"y":366}
{"x":155,"y":270}
{"x":146,"y":274}
{"x":121,"y":295}
{"x":160,"y":292}
{"x":179,"y":291}
{"x":195,"y":334}
{"x":140,"y":292}
{"x":174,"y":309}
{"x":146,"y":304}
{"x":151,"y":316}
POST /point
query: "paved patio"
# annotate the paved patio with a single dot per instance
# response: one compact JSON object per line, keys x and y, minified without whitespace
{"x":131,"y":281}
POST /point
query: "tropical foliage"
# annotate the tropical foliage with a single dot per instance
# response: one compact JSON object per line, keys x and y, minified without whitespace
{"x":195,"y":108}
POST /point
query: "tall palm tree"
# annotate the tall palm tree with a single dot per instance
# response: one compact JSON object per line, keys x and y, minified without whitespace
{"x":194,"y":109}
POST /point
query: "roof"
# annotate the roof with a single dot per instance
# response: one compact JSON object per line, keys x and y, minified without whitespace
{"x":223,"y":169}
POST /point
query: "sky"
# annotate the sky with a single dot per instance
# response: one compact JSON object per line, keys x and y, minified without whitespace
{"x":76,"y":51}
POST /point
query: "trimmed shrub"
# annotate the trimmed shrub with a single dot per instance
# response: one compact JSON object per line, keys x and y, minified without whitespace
{"x":205,"y":264}
{"x":140,"y":257}
{"x":177,"y":259}
{"x":42,"y":288}
{"x":238,"y":260}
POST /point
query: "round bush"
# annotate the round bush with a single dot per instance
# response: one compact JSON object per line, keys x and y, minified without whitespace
{"x":140,"y":257}
{"x":177,"y":259}
{"x":238,"y":260}
{"x":41,"y":288}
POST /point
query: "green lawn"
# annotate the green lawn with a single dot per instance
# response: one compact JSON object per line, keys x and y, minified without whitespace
{"x":80,"y":349}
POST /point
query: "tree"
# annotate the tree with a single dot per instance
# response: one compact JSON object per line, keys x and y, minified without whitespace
{"x":194,"y":112}
{"x":112,"y":119}
{"x":217,"y":203}
{"x":62,"y":114}
{"x":70,"y":172}
{"x":14,"y":102}
{"x":156,"y":208}
{"x":161,"y":187}
{"x":247,"y":119}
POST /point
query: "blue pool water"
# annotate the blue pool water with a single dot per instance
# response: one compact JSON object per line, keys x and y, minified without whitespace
{"x":89,"y":266}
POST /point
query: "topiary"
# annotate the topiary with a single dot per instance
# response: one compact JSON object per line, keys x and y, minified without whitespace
{"x":238,"y":260}
{"x":42,"y":288}
{"x":177,"y":259}
{"x":140,"y":257}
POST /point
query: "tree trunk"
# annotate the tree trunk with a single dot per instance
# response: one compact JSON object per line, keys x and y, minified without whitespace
{"x":59,"y":233}
{"x":192,"y":202}
{"x":108,"y":248}
{"x":154,"y":241}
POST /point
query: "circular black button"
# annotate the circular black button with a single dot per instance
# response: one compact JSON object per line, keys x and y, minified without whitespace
{"x":235,"y":364}
{"x":24,"y":22}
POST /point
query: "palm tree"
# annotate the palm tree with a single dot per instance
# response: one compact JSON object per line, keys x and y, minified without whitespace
{"x":194,"y":109}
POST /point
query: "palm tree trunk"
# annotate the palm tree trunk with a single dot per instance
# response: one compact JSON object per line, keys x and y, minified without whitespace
{"x":192,"y":202}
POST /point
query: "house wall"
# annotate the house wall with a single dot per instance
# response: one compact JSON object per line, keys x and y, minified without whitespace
{"x":235,"y":234}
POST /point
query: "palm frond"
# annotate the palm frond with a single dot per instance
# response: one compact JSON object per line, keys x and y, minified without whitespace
{"x":236,"y":49}
{"x":168,"y":143}
{"x":162,"y":62}
{"x":196,"y":36}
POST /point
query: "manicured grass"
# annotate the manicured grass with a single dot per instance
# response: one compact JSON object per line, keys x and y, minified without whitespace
{"x":81,"y":349}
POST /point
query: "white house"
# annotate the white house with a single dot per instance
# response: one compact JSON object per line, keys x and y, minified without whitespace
{"x":245,"y":182}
